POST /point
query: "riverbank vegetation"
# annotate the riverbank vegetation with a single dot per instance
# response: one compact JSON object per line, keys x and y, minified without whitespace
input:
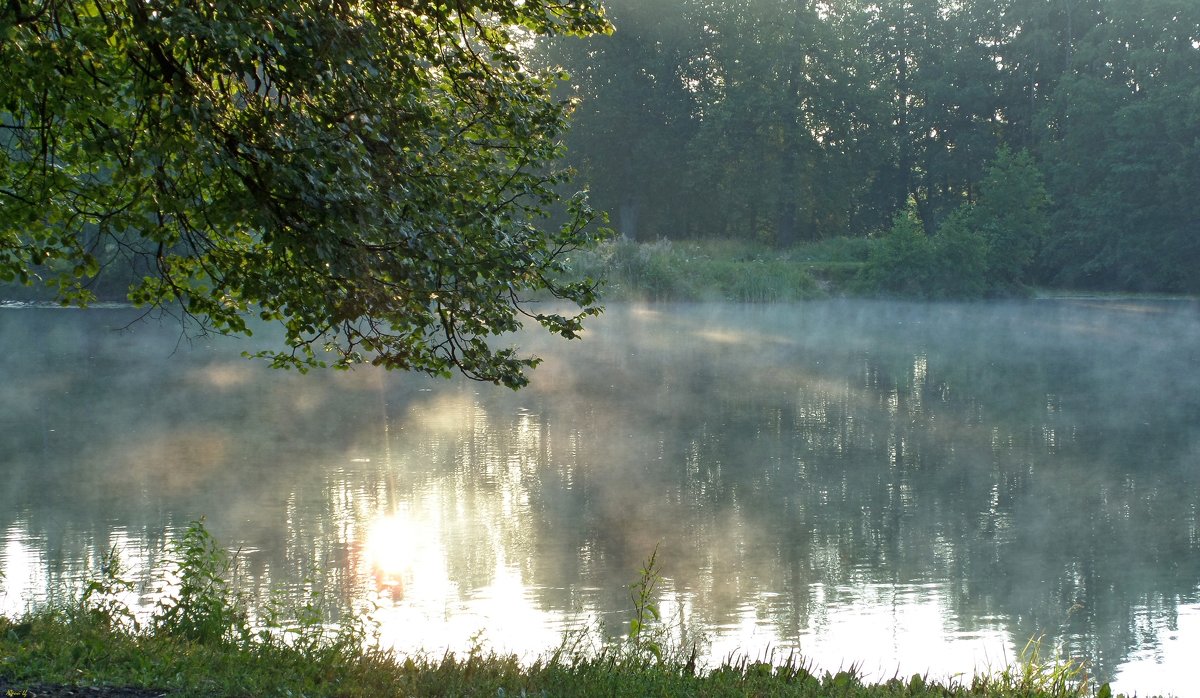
{"x":206,"y":638}
{"x":984,"y":248}
{"x":696,"y":270}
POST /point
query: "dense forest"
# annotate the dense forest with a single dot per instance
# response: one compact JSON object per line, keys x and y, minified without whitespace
{"x":1051,"y":142}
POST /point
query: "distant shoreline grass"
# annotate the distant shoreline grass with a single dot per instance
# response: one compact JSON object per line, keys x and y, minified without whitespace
{"x":201,"y":642}
{"x":1062,"y":294}
{"x":749,"y":272}
{"x":715,"y":270}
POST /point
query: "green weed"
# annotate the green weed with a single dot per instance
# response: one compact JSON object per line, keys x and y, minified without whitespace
{"x":205,"y":607}
{"x":1033,"y":673}
{"x":644,"y":641}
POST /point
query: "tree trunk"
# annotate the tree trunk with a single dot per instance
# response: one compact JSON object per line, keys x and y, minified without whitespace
{"x":627,"y":218}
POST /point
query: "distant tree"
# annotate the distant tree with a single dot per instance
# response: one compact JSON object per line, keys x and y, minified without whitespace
{"x":960,"y":258}
{"x":1011,"y":215}
{"x":902,"y":263}
{"x":983,"y":246}
{"x":634,"y":118}
{"x":371,"y":175}
{"x":908,"y":263}
{"x":1122,"y":151}
{"x":776,"y":155}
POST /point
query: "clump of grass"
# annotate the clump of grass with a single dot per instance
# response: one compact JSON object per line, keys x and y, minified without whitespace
{"x":836,"y":263}
{"x":846,"y":250}
{"x":724,"y":270}
{"x":695,"y":271}
{"x":1033,"y":673}
{"x":202,"y":641}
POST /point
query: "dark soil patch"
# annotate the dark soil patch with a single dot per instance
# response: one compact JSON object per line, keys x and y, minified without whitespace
{"x":41,"y":690}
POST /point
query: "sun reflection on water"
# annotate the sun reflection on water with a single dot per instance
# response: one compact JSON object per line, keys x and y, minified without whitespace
{"x":1167,"y":665}
{"x":421,"y":608}
{"x":880,"y":629}
{"x":24,"y":573}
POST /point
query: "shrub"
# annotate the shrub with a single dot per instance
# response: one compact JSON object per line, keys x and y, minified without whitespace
{"x":903,"y":262}
{"x":959,"y":260}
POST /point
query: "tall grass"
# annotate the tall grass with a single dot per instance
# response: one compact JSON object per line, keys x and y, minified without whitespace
{"x":204,"y":640}
{"x":1033,"y":672}
{"x":695,"y":271}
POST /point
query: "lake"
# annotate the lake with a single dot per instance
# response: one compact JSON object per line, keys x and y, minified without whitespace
{"x":900,"y":487}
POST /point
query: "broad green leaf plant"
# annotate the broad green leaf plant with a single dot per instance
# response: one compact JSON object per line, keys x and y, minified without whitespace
{"x":376,"y":176}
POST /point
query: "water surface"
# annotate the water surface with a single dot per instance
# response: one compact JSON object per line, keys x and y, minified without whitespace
{"x":901,"y":487}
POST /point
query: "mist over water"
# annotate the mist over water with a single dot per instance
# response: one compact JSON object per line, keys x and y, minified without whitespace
{"x":904,"y":487}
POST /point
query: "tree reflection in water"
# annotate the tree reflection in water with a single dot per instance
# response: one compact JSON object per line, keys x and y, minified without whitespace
{"x":913,"y":486}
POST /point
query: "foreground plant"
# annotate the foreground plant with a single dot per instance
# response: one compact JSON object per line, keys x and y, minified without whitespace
{"x":204,"y":606}
{"x":1034,"y":672}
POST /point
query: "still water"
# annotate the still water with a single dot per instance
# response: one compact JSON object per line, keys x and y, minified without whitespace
{"x":904,"y":488}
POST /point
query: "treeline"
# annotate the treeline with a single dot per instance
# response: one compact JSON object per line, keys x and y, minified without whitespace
{"x":787,"y":121}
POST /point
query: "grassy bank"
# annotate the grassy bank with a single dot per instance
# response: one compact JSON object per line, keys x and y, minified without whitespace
{"x":68,"y":648}
{"x":749,"y":272}
{"x":50,"y":649}
{"x":721,"y":270}
{"x":204,"y":640}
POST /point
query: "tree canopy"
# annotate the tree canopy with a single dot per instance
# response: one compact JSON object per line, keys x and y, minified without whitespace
{"x":794,"y":120}
{"x":376,"y":176}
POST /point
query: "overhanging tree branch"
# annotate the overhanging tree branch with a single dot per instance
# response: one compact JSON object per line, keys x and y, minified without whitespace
{"x":352,"y":186}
